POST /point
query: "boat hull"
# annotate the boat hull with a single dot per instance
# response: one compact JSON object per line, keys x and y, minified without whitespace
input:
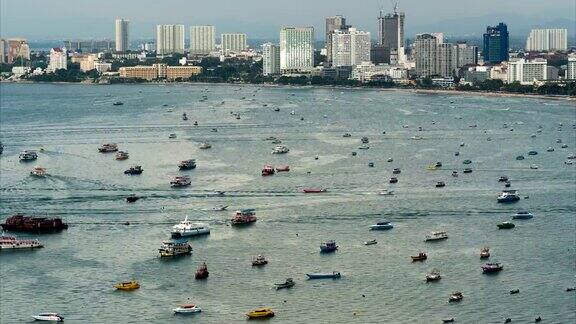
{"x":323,"y":275}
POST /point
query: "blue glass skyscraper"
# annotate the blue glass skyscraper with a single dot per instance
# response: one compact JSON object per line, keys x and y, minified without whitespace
{"x":496,"y":44}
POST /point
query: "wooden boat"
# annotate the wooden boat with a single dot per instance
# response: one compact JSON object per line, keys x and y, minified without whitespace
{"x":202,"y":272}
{"x":283,"y":169}
{"x":420,"y":257}
{"x":127,"y":285}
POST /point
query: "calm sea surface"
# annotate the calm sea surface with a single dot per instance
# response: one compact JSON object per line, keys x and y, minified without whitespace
{"x":74,"y":274}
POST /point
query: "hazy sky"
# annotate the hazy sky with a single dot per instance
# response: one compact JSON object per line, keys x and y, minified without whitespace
{"x":61,"y":19}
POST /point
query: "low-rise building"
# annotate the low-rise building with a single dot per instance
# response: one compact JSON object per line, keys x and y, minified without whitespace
{"x":443,"y":82}
{"x":159,"y":71}
{"x":477,"y":73}
{"x":102,"y":67}
{"x":367,"y":72}
{"x":527,"y":72}
{"x":182,"y":72}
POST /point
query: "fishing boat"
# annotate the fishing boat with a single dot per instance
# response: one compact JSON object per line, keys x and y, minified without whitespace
{"x":172,"y":136}
{"x":506,"y":225}
{"x":122,"y":155}
{"x":187,"y":309}
{"x":508,"y":196}
{"x":284,"y":168}
{"x":108,"y":148}
{"x":132,"y":198}
{"x":324,"y":275}
{"x":48,"y":317}
{"x":347,"y":135}
{"x":289,"y":283}
{"x":13,"y":243}
{"x":38,"y":172}
{"x":259,"y":260}
{"x":514,"y":291}
{"x":244,"y":216}
{"x":382,"y":225}
{"x":328,"y":246}
{"x":202,"y":272}
{"x":313,"y":190}
{"x":184,"y":116}
{"x":127,"y":285}
{"x":180,"y":181}
{"x":492,"y":267}
{"x":187,"y":164}
{"x":436,"y":236}
{"x":371,"y":242}
{"x":21,"y":223}
{"x":280,"y":149}
{"x":267,"y":170}
{"x":204,"y":146}
{"x":522,"y":214}
{"x":440,"y":184}
{"x":420,"y":257}
{"x":456,"y":296}
{"x":188,"y":228}
{"x":503,"y":179}
{"x":171,"y":249}
{"x":260,"y":313}
{"x":134,"y":170}
{"x":434,"y":275}
{"x":396,"y":171}
{"x":485,"y":253}
{"x":393,"y":180}
{"x":27,"y":155}
{"x":467,"y":170}
{"x":118,"y":103}
{"x":520,"y":157}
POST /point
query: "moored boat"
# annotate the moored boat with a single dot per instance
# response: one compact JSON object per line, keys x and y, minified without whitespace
{"x":21,"y":223}
{"x":202,"y":272}
{"x":38,"y":172}
{"x":13,"y":243}
{"x":506,"y":225}
{"x":204,"y":146}
{"x":522,"y":214}
{"x":324,"y":275}
{"x":436,"y":236}
{"x":108,"y":148}
{"x":267,"y":170}
{"x":187,"y":164}
{"x":121,"y":155}
{"x":440,"y":184}
{"x":127,"y":285}
{"x":244,"y":216}
{"x":393,"y":180}
{"x":118,"y":103}
{"x":48,"y":317}
{"x":492,"y":267}
{"x":132,"y":198}
{"x":434,"y":275}
{"x":264,"y":312}
{"x":328,"y":246}
{"x":508,"y":196}
{"x":134,"y":170}
{"x":280,"y":149}
{"x":187,"y":309}
{"x":485,"y":253}
{"x":289,"y":283}
{"x":28,"y":155}
{"x":371,"y":242}
{"x":174,"y":248}
{"x":420,"y":257}
{"x":456,"y":296}
{"x":284,"y":168}
{"x":188,"y":228}
{"x":382,"y":225}
{"x":313,"y":190}
{"x":259,"y":260}
{"x":180,"y":181}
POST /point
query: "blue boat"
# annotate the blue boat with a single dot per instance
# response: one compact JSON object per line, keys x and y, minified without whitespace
{"x":328,"y":246}
{"x":382,"y":225}
{"x":324,"y":275}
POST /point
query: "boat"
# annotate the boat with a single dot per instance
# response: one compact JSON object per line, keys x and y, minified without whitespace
{"x":363,"y":147}
{"x":280,"y":149}
{"x":514,"y":291}
{"x":172,"y":136}
{"x":371,"y":164}
{"x":436,"y":236}
{"x":13,"y":243}
{"x":564,"y":146}
{"x":508,"y":196}
{"x":507,"y":184}
{"x":456,"y":297}
{"x":364,"y":140}
{"x":184,"y":116}
{"x":550,"y":149}
{"x":132,"y":198}
{"x":187,"y":309}
{"x":386,"y":192}
{"x":244,"y":216}
{"x":174,"y":248}
{"x":122,"y":155}
{"x":276,"y":141}
{"x":118,"y":103}
{"x":506,"y":225}
{"x":503,"y":179}
{"x":313,"y":190}
{"x":48,"y":317}
{"x":202,"y":272}
{"x":188,"y":228}
{"x":533,"y":166}
{"x":289,"y":283}
{"x":204,"y":146}
{"x":219,"y":208}
{"x":127,"y":285}
{"x":284,"y":168}
{"x":434,"y":275}
{"x":466,"y":162}
{"x":257,"y":313}
{"x":371,"y":242}
{"x":187,"y":164}
{"x":347,"y":135}
{"x":259,"y":260}
{"x":485,"y":253}
{"x":267,"y":170}
{"x":417,"y":137}
{"x":467,"y":170}
{"x":108,"y":148}
{"x":382,"y":225}
{"x":568,"y":162}
{"x":448,"y":320}
{"x":27,"y":155}
{"x":438,"y":164}
{"x":456,"y":153}
{"x":180,"y":181}
{"x":393,"y":180}
{"x":522,"y":214}
{"x":324,"y":275}
{"x":328,"y":246}
{"x":420,"y":257}
{"x":440,"y":184}
{"x":21,"y":223}
{"x":134,"y":170}
{"x":455,"y":173}
{"x":396,"y":171}
{"x":532,"y":153}
{"x":520,"y":157}
{"x":492,"y":267}
{"x":38,"y":172}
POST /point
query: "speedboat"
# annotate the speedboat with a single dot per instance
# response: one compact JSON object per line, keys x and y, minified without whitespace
{"x":382,"y":225}
{"x":204,"y":146}
{"x":492,"y":267}
{"x":284,"y":168}
{"x":260,"y":313}
{"x":456,"y":297}
{"x":289,"y":283}
{"x":313,"y":190}
{"x":436,"y":236}
{"x":522,"y":214}
{"x":184,"y":116}
{"x":520,"y":157}
{"x":187,"y":164}
{"x":371,"y":242}
{"x":506,"y":225}
{"x":38,"y":172}
{"x":172,"y":136}
{"x":27,"y":155}
{"x":202,"y":272}
{"x":244,"y":216}
{"x":347,"y":135}
{"x":550,"y":149}
{"x":328,"y":246}
{"x":440,"y":184}
{"x":485,"y":253}
{"x":48,"y":317}
{"x":127,"y":285}
{"x":467,"y":170}
{"x":188,"y":228}
{"x":280,"y":149}
{"x":267,"y":170}
{"x":393,"y":180}
{"x":467,"y":162}
{"x":187,"y":309}
{"x":136,"y":169}
{"x":324,"y":275}
{"x":121,"y":155}
{"x":259,"y":260}
{"x":503,"y":179}
{"x":420,"y":257}
{"x":108,"y":147}
{"x":118,"y":103}
{"x":508,"y":196}
{"x":396,"y":171}
{"x":174,"y":248}
{"x":180,"y":181}
{"x":533,"y":166}
{"x":386,"y":192}
{"x":434,"y":275}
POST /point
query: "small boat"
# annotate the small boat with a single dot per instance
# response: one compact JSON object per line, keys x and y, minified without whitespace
{"x":284,"y":168}
{"x":455,"y":173}
{"x":532,"y":153}
{"x":259,"y":260}
{"x":382,"y":225}
{"x":485,"y":253}
{"x":456,"y":153}
{"x":456,"y":297}
{"x":328,"y":246}
{"x":364,"y":140}
{"x":440,"y":184}
{"x":122,"y":155}
{"x":436,"y":236}
{"x":354,"y":153}
{"x":187,"y":164}
{"x":568,"y":162}
{"x":108,"y":148}
{"x":386,"y":192}
{"x":508,"y":196}
{"x":564,"y":146}
{"x":180,"y":181}
{"x":187,"y":309}
{"x":393,"y":180}
{"x":492,"y":267}
{"x":313,"y":190}
{"x":132,"y":198}
{"x":276,"y":109}
{"x":260,"y":313}
{"x":289,"y":283}
{"x":220,"y":208}
{"x":506,"y":225}
{"x":204,"y":146}
{"x":550,"y":149}
{"x":347,"y":135}
{"x":118,"y":103}
{"x":48,"y":317}
{"x":390,"y":160}
{"x":438,"y":164}
{"x":13,"y":243}
{"x":172,"y":136}
{"x":184,"y":116}
{"x":133,"y":170}
{"x":371,"y":242}
{"x":507,"y":184}
{"x":467,"y":170}
{"x":434,"y":275}
{"x":396,"y":171}
{"x":280,"y":149}
{"x":522,"y":214}
{"x":420,"y":257}
{"x":448,"y":320}
{"x":371,"y":164}
{"x":514,"y":291}
{"x":363,"y":147}
{"x":188,"y":228}
{"x":267,"y":170}
{"x":171,"y":249}
{"x":127,"y":285}
{"x":244,"y":216}
{"x":276,"y":141}
{"x":324,"y":275}
{"x":503,"y":179}
{"x":202,"y":272}
{"x":27,"y":155}
{"x":533,"y":166}
{"x":416,"y":137}
{"x":38,"y":172}
{"x":520,"y":157}
{"x":466,"y":162}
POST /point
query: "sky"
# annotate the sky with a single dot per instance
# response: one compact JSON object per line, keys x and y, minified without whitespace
{"x":68,"y":19}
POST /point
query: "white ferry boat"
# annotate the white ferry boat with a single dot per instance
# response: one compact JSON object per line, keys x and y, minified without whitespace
{"x":28,"y":155}
{"x":188,"y":228}
{"x":174,"y":248}
{"x":436,"y":236}
{"x":11,"y":242}
{"x":280,"y":149}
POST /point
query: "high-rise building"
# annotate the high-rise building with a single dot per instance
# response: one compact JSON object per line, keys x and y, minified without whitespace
{"x":89,"y":46}
{"x":464,"y":54}
{"x":169,"y":39}
{"x":2,"y":51}
{"x":333,"y":24}
{"x":270,"y":59}
{"x":350,"y":47}
{"x":202,"y":39}
{"x":233,"y":42}
{"x":391,"y":32}
{"x":526,"y":72}
{"x":58,"y":60}
{"x":296,"y":49}
{"x":122,"y":40}
{"x":425,"y":50}
{"x":17,"y":48}
{"x":571,"y":68}
{"x":495,"y":49}
{"x":547,"y":40}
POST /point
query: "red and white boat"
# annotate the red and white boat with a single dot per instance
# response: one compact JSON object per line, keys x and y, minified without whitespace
{"x":38,"y":172}
{"x":108,"y":147}
{"x":244,"y":216}
{"x":180,"y":181}
{"x":122,"y":155}
{"x":485,"y":253}
{"x":268,"y":170}
{"x":313,"y":190}
{"x":284,"y":168}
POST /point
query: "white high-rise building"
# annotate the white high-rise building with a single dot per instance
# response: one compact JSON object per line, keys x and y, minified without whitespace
{"x":2,"y":50}
{"x":58,"y":59}
{"x":571,"y":68}
{"x":270,"y":59}
{"x":202,"y":39}
{"x":233,"y":42}
{"x":526,"y":72}
{"x":169,"y":39}
{"x":296,"y":49}
{"x":122,"y":40}
{"x":547,"y":40}
{"x":350,"y":47}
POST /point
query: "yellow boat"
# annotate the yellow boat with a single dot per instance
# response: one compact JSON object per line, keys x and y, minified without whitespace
{"x":260,"y":313}
{"x":431,"y":167}
{"x":127,"y":285}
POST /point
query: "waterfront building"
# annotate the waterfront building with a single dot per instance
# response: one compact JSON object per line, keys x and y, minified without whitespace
{"x":87,"y":62}
{"x":233,"y":42}
{"x":571,"y":68}
{"x":350,"y":47}
{"x":122,"y":39}
{"x":527,"y":71}
{"x":202,"y":40}
{"x":102,"y":67}
{"x":296,"y":49}
{"x":169,"y":39}
{"x":159,"y":71}
{"x":464,"y":54}
{"x":17,"y":48}
{"x":58,"y":59}
{"x":367,"y":71}
{"x":391,"y":34}
{"x":496,"y":44}
{"x":270,"y":59}
{"x":336,"y":23}
{"x":547,"y":40}
{"x":425,"y":55}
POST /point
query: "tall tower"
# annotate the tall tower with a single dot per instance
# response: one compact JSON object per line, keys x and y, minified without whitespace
{"x":169,"y":39}
{"x":122,"y":41}
{"x":391,"y":32}
{"x":495,"y":49}
{"x":336,"y":23}
{"x":202,"y":39}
